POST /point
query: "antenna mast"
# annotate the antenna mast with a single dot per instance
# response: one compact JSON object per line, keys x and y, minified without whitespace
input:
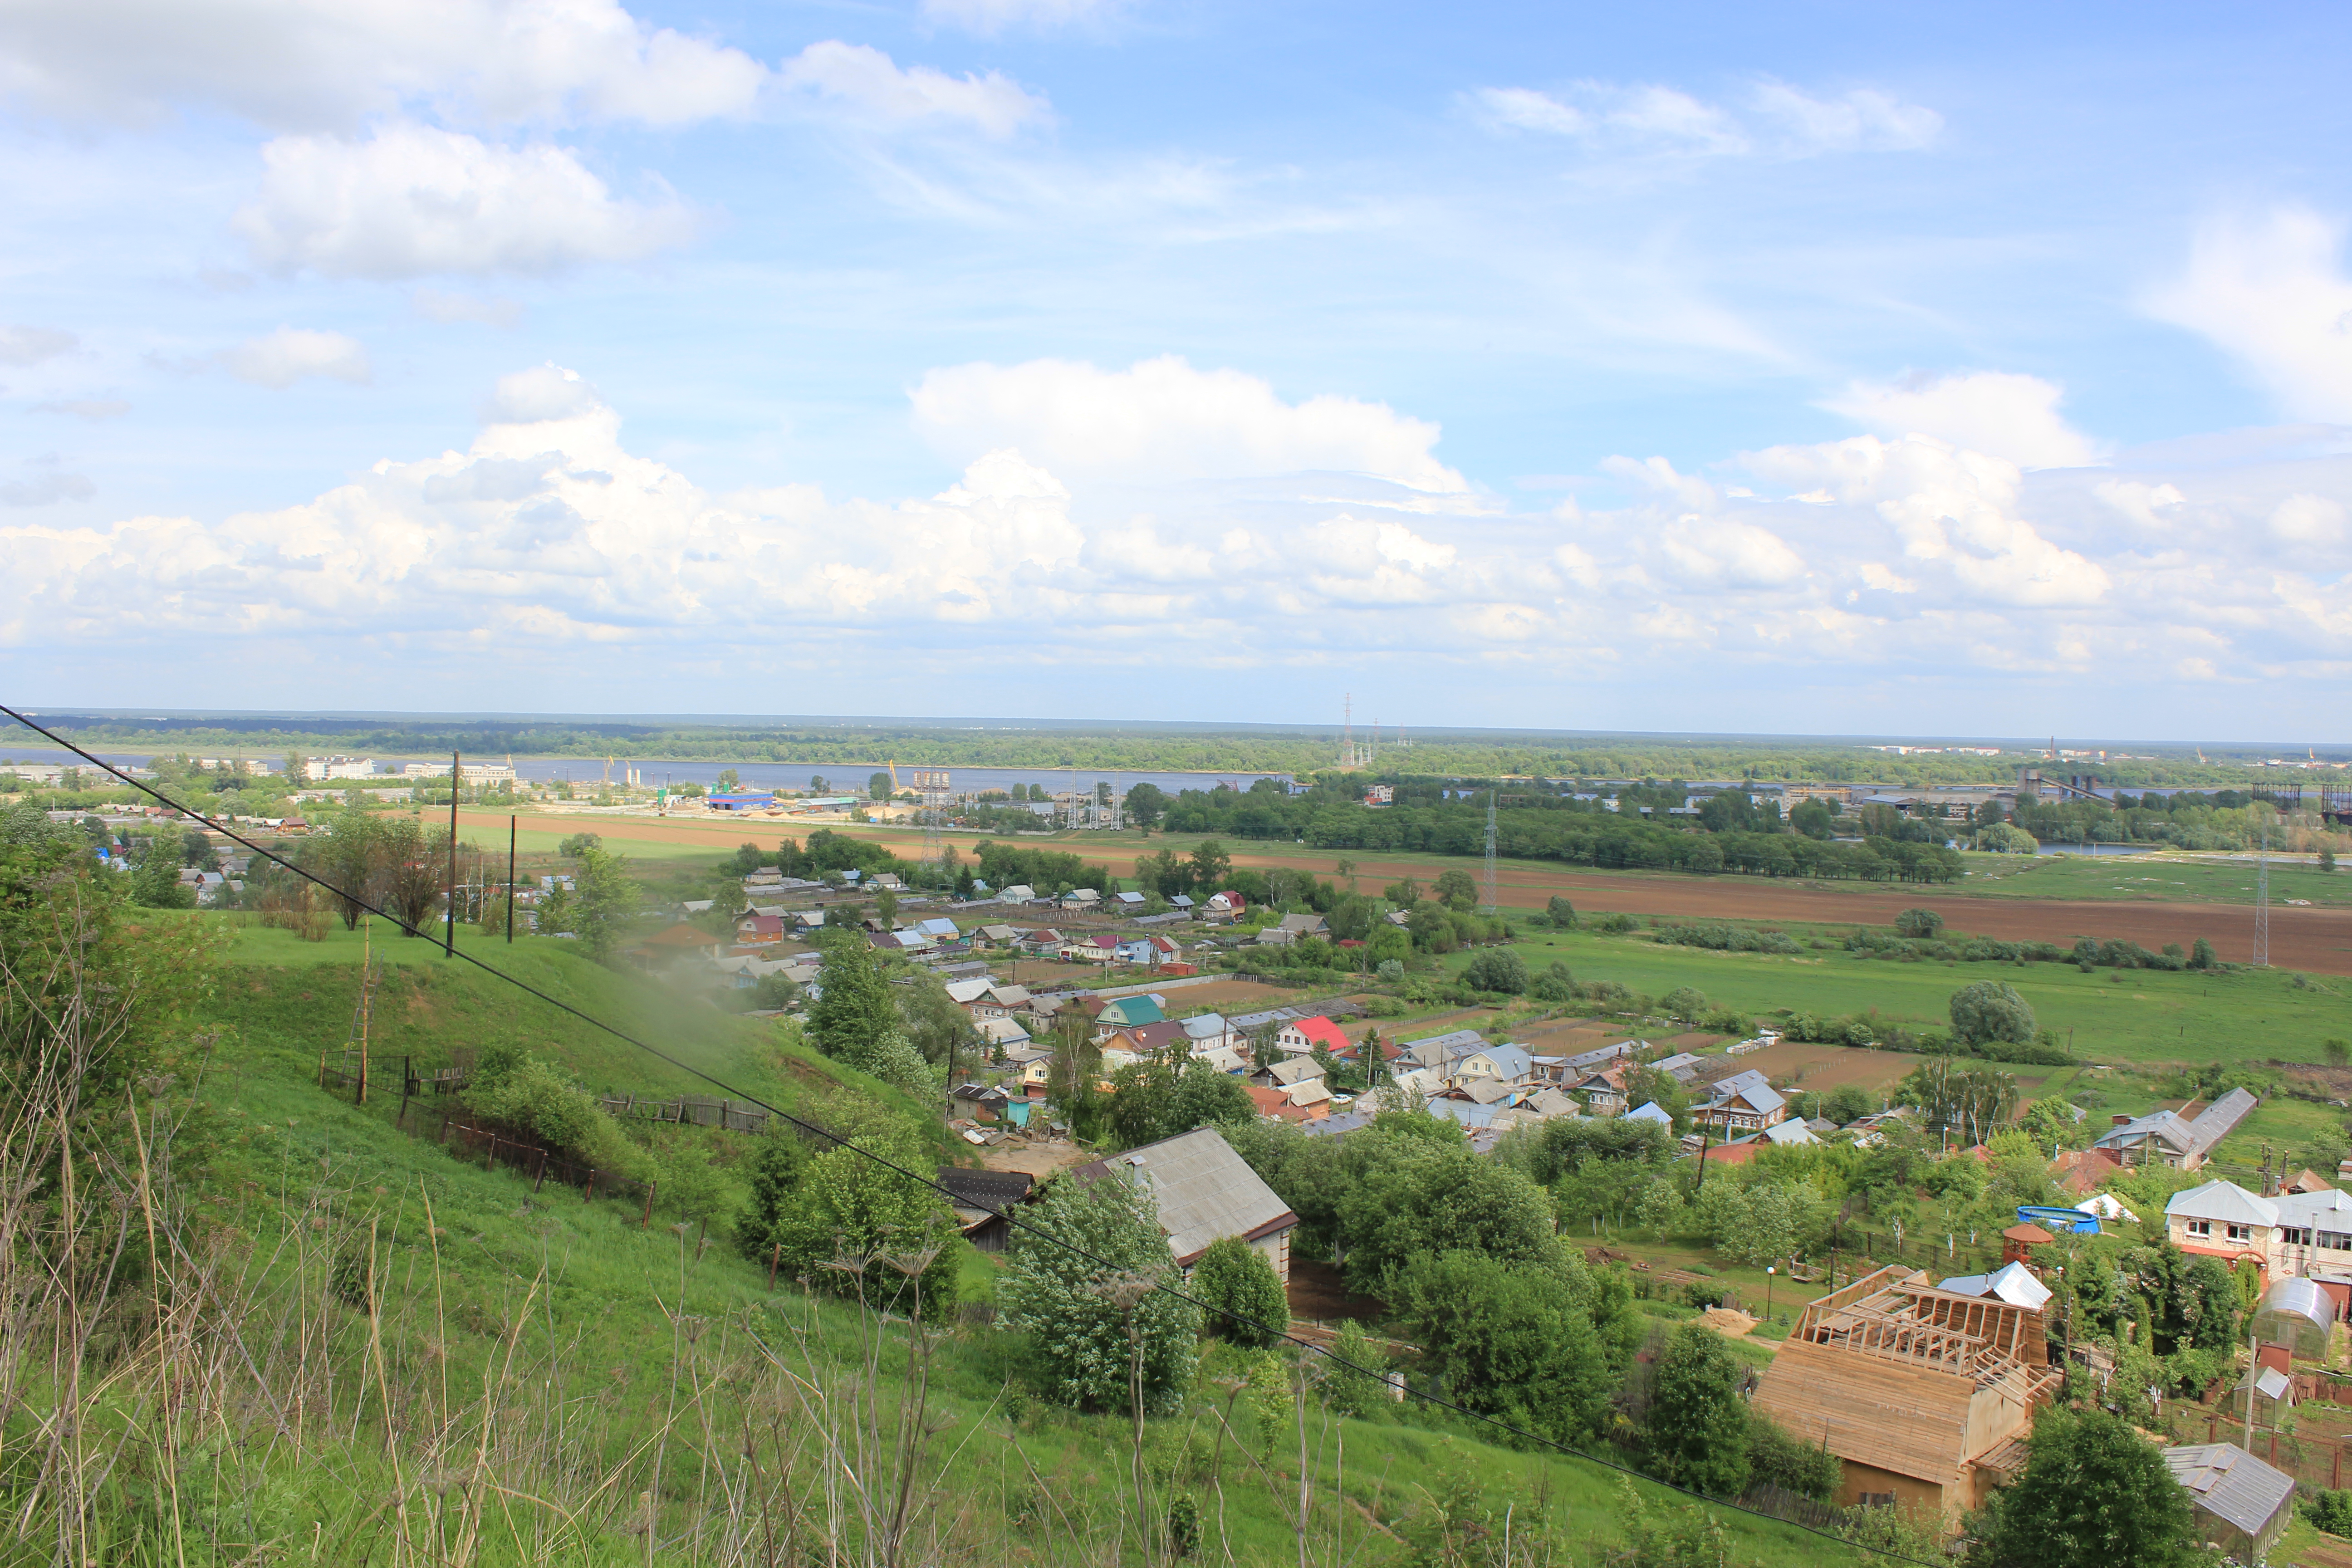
{"x":1348,"y":731}
{"x":932,"y":782}
{"x":1490,"y":852}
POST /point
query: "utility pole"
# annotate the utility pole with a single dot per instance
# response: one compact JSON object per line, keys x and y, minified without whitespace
{"x":449,"y":887}
{"x":511,"y":880}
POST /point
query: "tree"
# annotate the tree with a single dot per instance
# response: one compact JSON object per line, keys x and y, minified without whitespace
{"x":1971,"y":1102}
{"x":1170,"y":1095}
{"x":1146,"y":805}
{"x":297,"y":770}
{"x":878,"y":785}
{"x":1554,"y":984}
{"x":575,"y":845}
{"x":2093,"y":1494}
{"x":1456,"y":890}
{"x":2336,"y":1049}
{"x":817,"y":785}
{"x":1210,"y":865}
{"x":155,"y":871}
{"x":854,"y":1008}
{"x":1511,"y":1342}
{"x":605,"y":899}
{"x":2328,"y":859}
{"x":1497,"y":969}
{"x":1560,"y":912}
{"x":1990,"y":1010}
{"x":1810,"y":819}
{"x":1243,"y":1295}
{"x":1921,"y":924}
{"x":1403,"y":895}
{"x":2050,"y":1122}
{"x":848,"y":1207}
{"x":1698,"y":1424}
{"x":1070,"y":1301}
{"x":1415,"y":1197}
{"x":2201,"y":954}
{"x":729,"y":781}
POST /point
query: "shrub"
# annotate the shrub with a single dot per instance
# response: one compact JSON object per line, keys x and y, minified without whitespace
{"x":1497,"y":969}
{"x":1698,"y":1424}
{"x":1243,"y":1296}
{"x":1802,"y":1467}
{"x":1989,"y":1010}
{"x":1919,"y":922}
{"x":1562,"y":914}
{"x":1554,"y":984}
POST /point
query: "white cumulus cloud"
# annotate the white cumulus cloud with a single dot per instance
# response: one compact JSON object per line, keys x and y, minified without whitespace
{"x":868,"y":86}
{"x":312,"y":65}
{"x":414,"y":200}
{"x":2011,"y":417}
{"x":2271,"y":293}
{"x":1161,"y":419}
{"x":290,"y":354}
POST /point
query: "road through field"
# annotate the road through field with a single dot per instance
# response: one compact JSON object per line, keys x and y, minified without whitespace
{"x":2317,"y":939}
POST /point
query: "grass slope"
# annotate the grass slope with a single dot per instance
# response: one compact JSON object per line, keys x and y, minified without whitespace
{"x":644,"y":1352}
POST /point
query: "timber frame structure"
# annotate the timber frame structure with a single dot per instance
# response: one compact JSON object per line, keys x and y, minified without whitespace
{"x":1925,"y":1393}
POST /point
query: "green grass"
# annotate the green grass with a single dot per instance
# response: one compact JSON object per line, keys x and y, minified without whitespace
{"x":2181,"y":879}
{"x":2107,"y":1016}
{"x":608,"y":1309}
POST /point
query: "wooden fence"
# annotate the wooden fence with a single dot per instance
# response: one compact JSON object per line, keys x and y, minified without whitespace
{"x":469,"y":1137}
{"x":691,"y":1110}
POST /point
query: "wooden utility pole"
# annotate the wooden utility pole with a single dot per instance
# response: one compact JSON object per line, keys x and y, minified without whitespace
{"x":511,"y":880}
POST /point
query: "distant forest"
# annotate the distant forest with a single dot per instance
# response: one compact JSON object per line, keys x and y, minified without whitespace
{"x":1107,"y":748}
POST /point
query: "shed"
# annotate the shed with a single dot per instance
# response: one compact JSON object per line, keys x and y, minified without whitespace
{"x":2272,"y":1391}
{"x":2241,"y":1503}
{"x":980,"y":1199}
{"x":2297,"y":1313}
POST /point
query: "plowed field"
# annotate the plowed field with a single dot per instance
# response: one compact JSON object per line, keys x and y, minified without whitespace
{"x":2317,"y":939}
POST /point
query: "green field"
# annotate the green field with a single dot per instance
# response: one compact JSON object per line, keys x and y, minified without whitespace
{"x":2170,"y":878}
{"x":2108,"y":1015}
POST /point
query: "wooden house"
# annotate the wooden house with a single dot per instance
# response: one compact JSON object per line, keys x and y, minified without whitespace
{"x":1926,"y":1393}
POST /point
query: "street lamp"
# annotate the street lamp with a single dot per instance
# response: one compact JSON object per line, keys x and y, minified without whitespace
{"x":1770,"y":1270}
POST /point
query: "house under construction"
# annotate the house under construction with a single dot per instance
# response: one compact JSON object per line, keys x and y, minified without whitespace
{"x":1927,"y":1392}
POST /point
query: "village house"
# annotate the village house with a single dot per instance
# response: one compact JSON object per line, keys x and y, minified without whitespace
{"x":1223,"y":907}
{"x":2305,"y":1233}
{"x":1204,"y":1192}
{"x":1301,"y":1035}
{"x":1288,"y":1072}
{"x":1603,"y":1092}
{"x":2169,"y":1138}
{"x":1101,"y":948}
{"x":1926,"y":1392}
{"x":1744,"y":1102}
{"x":1505,"y":1064}
{"x":759,"y":931}
{"x":981,"y":1198}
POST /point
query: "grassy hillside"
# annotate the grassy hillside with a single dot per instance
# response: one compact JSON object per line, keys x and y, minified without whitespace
{"x":377,"y":1352}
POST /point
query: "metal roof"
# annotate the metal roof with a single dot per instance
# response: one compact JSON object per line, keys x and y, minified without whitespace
{"x":1204,"y":1190}
{"x":2011,"y":1282}
{"x":2224,"y":1201}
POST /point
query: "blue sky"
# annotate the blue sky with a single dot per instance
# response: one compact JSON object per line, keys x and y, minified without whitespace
{"x":1810,"y":368}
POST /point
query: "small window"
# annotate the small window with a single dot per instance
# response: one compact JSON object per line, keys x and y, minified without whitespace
{"x":2201,"y":1228}
{"x":2240,"y":1233}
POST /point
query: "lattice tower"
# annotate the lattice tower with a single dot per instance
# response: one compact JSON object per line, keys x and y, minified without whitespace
{"x":2263,"y":901}
{"x":1490,"y":852}
{"x":931,"y":784}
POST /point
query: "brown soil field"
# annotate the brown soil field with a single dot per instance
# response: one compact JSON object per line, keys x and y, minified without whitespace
{"x":1223,"y":993}
{"x":2315,"y":939}
{"x":1789,"y":1065}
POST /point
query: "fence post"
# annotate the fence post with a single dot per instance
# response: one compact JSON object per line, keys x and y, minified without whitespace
{"x":647,"y":1224}
{"x":589,"y":1195}
{"x":490,"y":1160}
{"x":541,"y":1176}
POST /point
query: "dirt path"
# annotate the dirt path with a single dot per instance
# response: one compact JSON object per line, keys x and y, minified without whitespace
{"x":2316,"y":940}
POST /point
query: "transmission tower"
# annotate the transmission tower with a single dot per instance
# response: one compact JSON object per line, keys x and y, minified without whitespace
{"x":931,"y":784}
{"x":1347,"y":731}
{"x":1490,"y":853}
{"x":2263,"y":901}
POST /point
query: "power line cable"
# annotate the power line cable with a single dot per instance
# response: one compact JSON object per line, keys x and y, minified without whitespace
{"x":1007,"y":1215}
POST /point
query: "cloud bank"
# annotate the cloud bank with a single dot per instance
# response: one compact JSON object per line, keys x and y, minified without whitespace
{"x":1887,"y":554}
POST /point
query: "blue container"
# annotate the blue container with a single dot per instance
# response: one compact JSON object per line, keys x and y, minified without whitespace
{"x":2058,"y":1221}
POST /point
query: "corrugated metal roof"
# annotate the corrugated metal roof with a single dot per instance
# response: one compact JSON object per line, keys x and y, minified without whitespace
{"x":2232,"y":1485}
